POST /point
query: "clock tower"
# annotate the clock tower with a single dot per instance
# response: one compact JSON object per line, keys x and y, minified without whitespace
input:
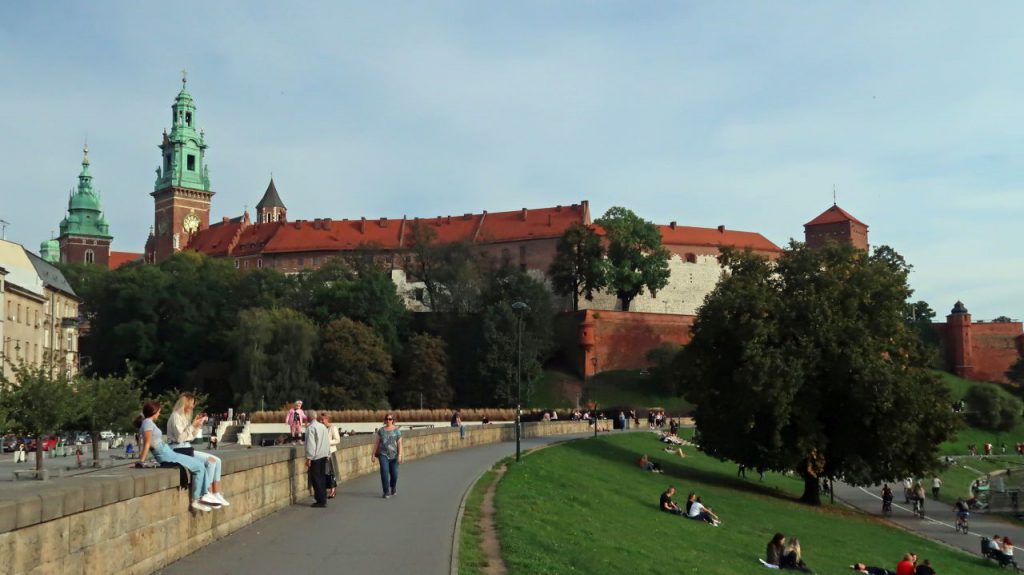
{"x":182,"y":193}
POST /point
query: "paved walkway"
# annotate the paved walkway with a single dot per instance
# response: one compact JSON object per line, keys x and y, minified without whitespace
{"x":939,"y":518}
{"x":360,"y":532}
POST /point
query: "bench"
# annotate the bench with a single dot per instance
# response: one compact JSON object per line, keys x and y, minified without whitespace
{"x":31,"y":474}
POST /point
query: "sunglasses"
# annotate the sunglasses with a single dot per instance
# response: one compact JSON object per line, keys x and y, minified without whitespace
{"x":389,"y":419}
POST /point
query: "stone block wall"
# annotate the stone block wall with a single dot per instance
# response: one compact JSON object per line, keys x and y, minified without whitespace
{"x":136,"y":521}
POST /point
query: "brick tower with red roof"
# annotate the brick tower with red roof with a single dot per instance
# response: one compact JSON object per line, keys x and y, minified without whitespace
{"x":836,"y":225}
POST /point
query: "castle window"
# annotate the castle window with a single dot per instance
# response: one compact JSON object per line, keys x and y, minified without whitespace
{"x":259,"y":263}
{"x":691,"y":258}
{"x":167,"y":163}
{"x":191,"y":163}
{"x":188,"y":118}
{"x":418,"y":294}
{"x":90,"y":257}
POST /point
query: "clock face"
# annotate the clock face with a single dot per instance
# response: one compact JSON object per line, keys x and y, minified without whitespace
{"x":191,"y":223}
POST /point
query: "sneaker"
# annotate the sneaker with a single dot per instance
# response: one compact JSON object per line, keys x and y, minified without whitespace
{"x":386,"y":495}
{"x":319,"y":505}
{"x":198,"y":506}
{"x":394,"y":492}
{"x":221,"y":500}
{"x":210,"y":499}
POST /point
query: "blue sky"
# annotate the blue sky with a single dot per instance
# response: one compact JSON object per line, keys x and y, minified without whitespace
{"x":734,"y":113}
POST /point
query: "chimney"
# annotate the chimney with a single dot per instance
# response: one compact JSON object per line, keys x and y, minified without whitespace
{"x":558,"y":208}
{"x":383,"y":222}
{"x":362,"y":225}
{"x":524,"y":214}
{"x":448,"y":220}
{"x":327,"y":223}
{"x":721,"y":229}
{"x":672,"y":225}
{"x":467,"y":216}
{"x":225,"y":220}
{"x":298,"y":224}
{"x":316,"y":223}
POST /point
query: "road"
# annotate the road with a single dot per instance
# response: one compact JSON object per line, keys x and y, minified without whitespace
{"x":359,"y":531}
{"x":938,"y":522}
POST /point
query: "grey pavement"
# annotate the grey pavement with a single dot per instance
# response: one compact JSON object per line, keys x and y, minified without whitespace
{"x":359,"y":531}
{"x":938,"y":522}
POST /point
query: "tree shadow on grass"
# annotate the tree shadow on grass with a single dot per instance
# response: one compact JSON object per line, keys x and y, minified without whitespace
{"x":677,"y":468}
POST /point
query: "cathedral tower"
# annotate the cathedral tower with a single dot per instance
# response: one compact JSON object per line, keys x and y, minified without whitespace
{"x":271,"y":208}
{"x":84,"y":232}
{"x":836,"y":225}
{"x":182,"y":193}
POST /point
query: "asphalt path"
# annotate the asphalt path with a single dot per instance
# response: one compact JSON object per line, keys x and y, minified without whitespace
{"x":359,"y":531}
{"x":939,"y":520}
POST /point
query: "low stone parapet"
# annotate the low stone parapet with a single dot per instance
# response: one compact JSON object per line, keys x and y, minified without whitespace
{"x":136,"y":521}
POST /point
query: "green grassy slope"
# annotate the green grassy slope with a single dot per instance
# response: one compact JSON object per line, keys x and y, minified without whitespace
{"x":958,"y":388}
{"x":585,"y":507}
{"x":626,"y":387}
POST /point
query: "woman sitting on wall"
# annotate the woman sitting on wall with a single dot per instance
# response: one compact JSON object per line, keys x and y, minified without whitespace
{"x":181,"y":432}
{"x":153,"y":439}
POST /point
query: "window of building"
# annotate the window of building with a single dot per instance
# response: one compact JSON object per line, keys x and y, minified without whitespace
{"x":245,"y":264}
{"x":506,"y":257}
{"x":188,"y":118}
{"x":191,"y":163}
{"x":90,"y":257}
{"x":19,"y":313}
{"x":691,"y":258}
{"x":259,"y":263}
{"x":301,"y":263}
{"x":418,"y":294}
{"x":167,"y":163}
{"x":236,"y":264}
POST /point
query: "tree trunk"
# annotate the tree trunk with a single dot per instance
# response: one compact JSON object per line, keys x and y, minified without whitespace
{"x":812,"y":490}
{"x":575,"y":301}
{"x":95,"y":450}
{"x":39,"y":456}
{"x":625,"y":303}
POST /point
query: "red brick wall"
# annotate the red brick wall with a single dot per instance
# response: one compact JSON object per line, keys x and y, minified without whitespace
{"x":620,"y":340}
{"x":170,"y":208}
{"x":818,"y":235}
{"x":73,"y":248}
{"x":982,"y":351}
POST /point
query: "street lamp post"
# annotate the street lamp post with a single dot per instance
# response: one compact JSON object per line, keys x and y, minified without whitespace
{"x":593,"y":361}
{"x":519,"y":307}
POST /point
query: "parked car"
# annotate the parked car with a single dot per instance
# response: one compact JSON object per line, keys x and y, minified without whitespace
{"x":49,"y":442}
{"x":10,"y":443}
{"x":107,"y":435}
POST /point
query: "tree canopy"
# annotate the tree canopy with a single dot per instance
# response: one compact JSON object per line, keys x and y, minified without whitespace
{"x":274,"y":353}
{"x":636,"y":258}
{"x":578,"y":268}
{"x":423,"y":374}
{"x":355,"y":367}
{"x":807,"y":364}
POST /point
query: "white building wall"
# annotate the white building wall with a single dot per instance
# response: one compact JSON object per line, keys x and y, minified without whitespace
{"x":687,"y":286}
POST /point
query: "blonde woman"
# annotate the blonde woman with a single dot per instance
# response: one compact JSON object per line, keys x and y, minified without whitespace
{"x":334,"y":438}
{"x":791,"y":557}
{"x":388,"y":452}
{"x":181,"y":430}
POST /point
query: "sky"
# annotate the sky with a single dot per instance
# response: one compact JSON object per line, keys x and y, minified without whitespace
{"x":743,"y":114}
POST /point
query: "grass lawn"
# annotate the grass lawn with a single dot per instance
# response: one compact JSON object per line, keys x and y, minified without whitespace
{"x":585,"y":507}
{"x":471,"y":558}
{"x":958,"y":388}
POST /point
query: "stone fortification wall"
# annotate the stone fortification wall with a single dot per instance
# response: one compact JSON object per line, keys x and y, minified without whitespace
{"x":619,"y":340}
{"x":136,"y":521}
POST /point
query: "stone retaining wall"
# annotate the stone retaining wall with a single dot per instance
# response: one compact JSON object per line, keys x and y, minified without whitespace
{"x":135,"y":521}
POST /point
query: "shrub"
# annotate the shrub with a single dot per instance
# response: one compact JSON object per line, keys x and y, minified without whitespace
{"x":990,"y":409}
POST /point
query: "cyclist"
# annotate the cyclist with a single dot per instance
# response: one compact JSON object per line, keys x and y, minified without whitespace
{"x":963,"y":511}
{"x":886,"y":499}
{"x":918,"y":497}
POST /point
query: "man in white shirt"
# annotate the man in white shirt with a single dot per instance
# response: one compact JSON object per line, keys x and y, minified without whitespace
{"x":936,"y":484}
{"x":318,"y":449}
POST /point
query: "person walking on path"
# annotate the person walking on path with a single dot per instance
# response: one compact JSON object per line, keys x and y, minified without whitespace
{"x":181,"y":432}
{"x":388,"y":451}
{"x":153,"y":439}
{"x":334,"y":440}
{"x":936,"y":485}
{"x":19,"y":454}
{"x":318,"y":451}
{"x":295,"y":420}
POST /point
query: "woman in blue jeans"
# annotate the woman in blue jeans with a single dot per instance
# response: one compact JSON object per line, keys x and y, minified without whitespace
{"x":388,"y":451}
{"x":152,"y":439}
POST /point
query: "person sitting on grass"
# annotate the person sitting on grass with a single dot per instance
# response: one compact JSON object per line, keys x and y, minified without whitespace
{"x":791,"y":557}
{"x":906,"y":567}
{"x":698,"y":511}
{"x":925,"y":568}
{"x":774,"y":550}
{"x":667,"y":504}
{"x":648,"y":465}
{"x":862,"y":568}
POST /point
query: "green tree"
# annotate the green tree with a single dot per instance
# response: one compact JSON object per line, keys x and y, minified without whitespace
{"x":808,"y":365}
{"x":107,"y":403}
{"x":354,"y":366}
{"x":919,"y":317}
{"x":267,"y":288}
{"x":990,"y":409}
{"x":636,"y":258}
{"x":1016,"y":372}
{"x":578,"y":268}
{"x":423,"y":379}
{"x":1002,"y":319}
{"x":497,"y":351}
{"x":273,"y":360}
{"x":662,"y":372}
{"x":39,"y":401}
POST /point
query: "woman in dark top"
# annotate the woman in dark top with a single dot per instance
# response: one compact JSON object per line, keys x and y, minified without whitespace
{"x":773,"y":553}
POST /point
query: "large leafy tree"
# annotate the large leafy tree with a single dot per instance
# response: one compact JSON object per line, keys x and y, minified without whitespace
{"x":578,"y":268}
{"x":636,"y":258}
{"x":808,"y":365}
{"x":39,"y":400}
{"x":273,"y":358}
{"x":1016,"y":372}
{"x":355,"y":366}
{"x":107,"y":403}
{"x":423,"y":374}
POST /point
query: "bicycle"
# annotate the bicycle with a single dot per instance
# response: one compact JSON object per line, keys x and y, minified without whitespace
{"x":887,"y":507}
{"x":919,"y":508}
{"x":962,"y":524}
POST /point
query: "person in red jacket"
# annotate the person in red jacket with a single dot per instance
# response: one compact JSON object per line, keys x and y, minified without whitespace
{"x":906,"y":567}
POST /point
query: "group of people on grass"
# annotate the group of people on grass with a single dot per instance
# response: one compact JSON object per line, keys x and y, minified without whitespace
{"x":909,"y":565}
{"x":1000,"y":549}
{"x":785,"y":554}
{"x":695,"y":508}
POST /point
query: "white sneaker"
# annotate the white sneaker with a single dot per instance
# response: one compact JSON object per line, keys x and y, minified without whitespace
{"x":198,"y":506}
{"x":210,"y":500}
{"x":221,"y":500}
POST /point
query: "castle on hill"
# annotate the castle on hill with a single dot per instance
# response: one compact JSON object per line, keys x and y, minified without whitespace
{"x":183,"y":197}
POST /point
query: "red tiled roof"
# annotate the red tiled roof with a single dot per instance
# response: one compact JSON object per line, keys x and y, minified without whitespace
{"x":717,"y":237}
{"x":118,"y":259}
{"x":236,"y":238}
{"x":834,"y":215}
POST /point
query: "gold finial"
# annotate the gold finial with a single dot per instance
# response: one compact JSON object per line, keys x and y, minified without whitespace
{"x":184,"y":77}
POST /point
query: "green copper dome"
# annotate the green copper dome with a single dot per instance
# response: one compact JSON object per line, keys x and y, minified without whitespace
{"x":50,"y":251}
{"x":85,"y":215}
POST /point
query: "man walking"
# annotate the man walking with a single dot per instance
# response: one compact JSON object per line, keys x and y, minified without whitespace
{"x":318,"y":449}
{"x":936,"y":485}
